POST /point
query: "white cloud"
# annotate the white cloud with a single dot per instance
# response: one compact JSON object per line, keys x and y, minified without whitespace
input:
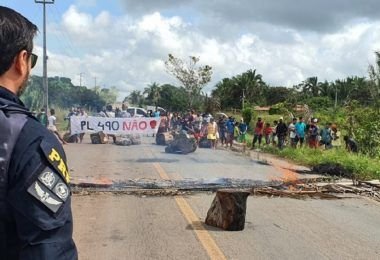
{"x":129,"y":52}
{"x":76,"y":22}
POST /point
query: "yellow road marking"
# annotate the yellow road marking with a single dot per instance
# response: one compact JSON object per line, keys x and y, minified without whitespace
{"x":161,"y":171}
{"x":204,"y":237}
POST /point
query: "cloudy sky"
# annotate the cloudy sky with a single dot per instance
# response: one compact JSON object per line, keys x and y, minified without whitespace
{"x":124,"y":43}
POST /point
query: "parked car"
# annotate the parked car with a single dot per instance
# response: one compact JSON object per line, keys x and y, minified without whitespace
{"x":137,"y":112}
{"x":153,"y":109}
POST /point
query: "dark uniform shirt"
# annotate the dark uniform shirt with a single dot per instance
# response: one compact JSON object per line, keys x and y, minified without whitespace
{"x":281,"y":129}
{"x":38,"y":222}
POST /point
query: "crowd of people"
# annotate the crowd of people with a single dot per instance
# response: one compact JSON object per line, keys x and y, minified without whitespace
{"x":50,"y":122}
{"x":207,"y":131}
{"x":224,"y":130}
{"x":296,"y":133}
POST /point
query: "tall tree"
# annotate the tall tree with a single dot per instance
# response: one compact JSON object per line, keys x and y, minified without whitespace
{"x":63,"y":94}
{"x":310,"y":87}
{"x":230,"y":91}
{"x":252,"y":86}
{"x":192,"y":77}
{"x":173,"y":98}
{"x":276,"y":95}
{"x":374,"y":75}
{"x":153,"y":93}
{"x":135,"y":97}
{"x":109,"y":95}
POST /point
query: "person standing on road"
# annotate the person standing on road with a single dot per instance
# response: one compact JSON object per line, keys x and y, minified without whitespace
{"x":212,"y":130}
{"x":326,"y":136}
{"x":222,"y":130}
{"x":124,"y":111}
{"x":292,"y":133}
{"x":52,"y":125}
{"x":336,"y":142}
{"x":258,"y":134}
{"x":274,"y":133}
{"x":243,"y":131}
{"x":230,"y":126}
{"x":268,"y":133}
{"x":281,"y":131}
{"x":42,"y":117}
{"x":35,"y":199}
{"x":300,"y":131}
{"x":313,"y":134}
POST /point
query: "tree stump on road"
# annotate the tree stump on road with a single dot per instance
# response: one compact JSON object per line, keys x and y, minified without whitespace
{"x":228,"y":209}
{"x":164,"y":138}
{"x":98,"y":138}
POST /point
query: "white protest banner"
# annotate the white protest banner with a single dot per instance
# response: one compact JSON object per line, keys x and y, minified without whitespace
{"x":116,"y":126}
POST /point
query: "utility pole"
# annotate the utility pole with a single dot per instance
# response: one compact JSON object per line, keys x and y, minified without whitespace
{"x":243,"y":99}
{"x":80,"y":79}
{"x":45,"y":80}
{"x":95,"y":82}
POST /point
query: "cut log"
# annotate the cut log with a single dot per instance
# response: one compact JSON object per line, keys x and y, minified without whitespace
{"x":164,"y":138}
{"x":70,"y":138}
{"x":204,"y":143}
{"x":182,"y":143}
{"x":99,"y":138}
{"x":228,"y":209}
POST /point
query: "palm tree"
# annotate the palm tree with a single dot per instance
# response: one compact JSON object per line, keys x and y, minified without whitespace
{"x":311,"y":86}
{"x":254,"y":86}
{"x":135,"y":97}
{"x":153,"y":93}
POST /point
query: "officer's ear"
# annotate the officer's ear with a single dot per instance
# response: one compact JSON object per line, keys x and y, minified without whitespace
{"x":21,"y":62}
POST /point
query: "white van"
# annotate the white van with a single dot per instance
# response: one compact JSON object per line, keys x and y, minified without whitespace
{"x":137,"y":112}
{"x":153,"y":109}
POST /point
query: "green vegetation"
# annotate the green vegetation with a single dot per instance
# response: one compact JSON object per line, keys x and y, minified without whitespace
{"x":247,"y":114}
{"x":170,"y":97}
{"x":192,"y":77}
{"x":363,"y":167}
{"x":63,"y":94}
{"x":353,"y":104}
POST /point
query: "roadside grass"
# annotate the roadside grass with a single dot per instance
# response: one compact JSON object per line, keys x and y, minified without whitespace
{"x":363,"y":167}
{"x":62,"y":124}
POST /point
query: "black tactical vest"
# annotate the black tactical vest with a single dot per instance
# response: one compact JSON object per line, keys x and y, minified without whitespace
{"x":12,"y":120}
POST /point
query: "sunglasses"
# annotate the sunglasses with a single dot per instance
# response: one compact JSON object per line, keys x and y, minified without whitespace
{"x":34,"y":58}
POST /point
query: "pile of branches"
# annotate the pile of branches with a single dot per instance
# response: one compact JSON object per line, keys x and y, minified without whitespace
{"x":299,"y":190}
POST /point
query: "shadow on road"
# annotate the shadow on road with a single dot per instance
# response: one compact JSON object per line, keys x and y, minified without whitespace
{"x":199,"y":225}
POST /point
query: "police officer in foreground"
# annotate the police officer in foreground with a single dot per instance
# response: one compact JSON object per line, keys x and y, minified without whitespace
{"x":35,"y":204}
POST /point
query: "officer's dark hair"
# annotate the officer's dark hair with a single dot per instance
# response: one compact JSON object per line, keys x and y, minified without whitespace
{"x":16,"y":34}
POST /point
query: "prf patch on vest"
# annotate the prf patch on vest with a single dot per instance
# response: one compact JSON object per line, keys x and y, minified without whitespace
{"x":55,"y":159}
{"x":50,"y":189}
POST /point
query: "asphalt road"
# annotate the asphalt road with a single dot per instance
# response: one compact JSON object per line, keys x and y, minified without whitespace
{"x":117,"y":226}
